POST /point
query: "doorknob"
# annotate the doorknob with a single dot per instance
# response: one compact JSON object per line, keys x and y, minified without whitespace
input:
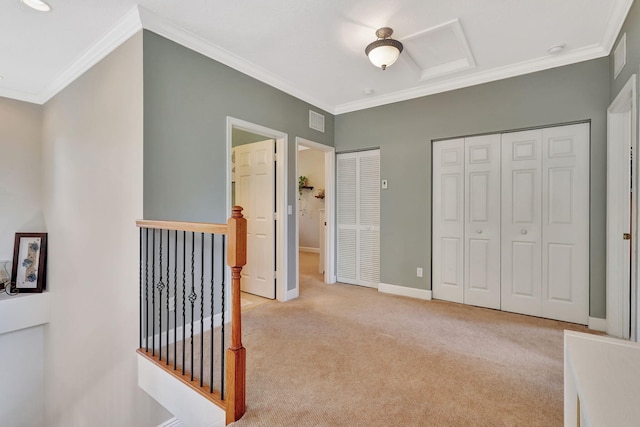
{"x":479,"y":231}
{"x":626,"y":236}
{"x":523,"y":232}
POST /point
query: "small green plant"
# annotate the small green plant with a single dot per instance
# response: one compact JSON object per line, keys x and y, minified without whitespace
{"x":302,"y":182}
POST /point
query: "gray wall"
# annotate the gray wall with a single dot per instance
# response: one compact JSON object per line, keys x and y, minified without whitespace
{"x":187,"y":98}
{"x":404,"y":132}
{"x":632,"y":28}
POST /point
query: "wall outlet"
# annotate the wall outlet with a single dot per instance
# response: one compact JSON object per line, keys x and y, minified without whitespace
{"x":419,"y":272}
{"x":172,"y":303}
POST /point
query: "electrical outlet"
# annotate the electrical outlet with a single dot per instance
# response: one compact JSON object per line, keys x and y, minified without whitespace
{"x":172,"y":303}
{"x":419,"y":271}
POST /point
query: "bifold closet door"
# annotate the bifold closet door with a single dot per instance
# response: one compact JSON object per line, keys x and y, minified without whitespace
{"x":521,"y":281}
{"x":448,"y":220}
{"x":482,"y":221}
{"x":565,"y":223}
{"x":358,"y":218}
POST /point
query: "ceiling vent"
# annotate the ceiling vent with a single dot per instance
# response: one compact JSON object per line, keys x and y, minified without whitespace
{"x":620,"y":56}
{"x":316,"y":121}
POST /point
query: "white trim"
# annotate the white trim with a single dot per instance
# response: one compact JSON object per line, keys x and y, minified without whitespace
{"x":404,"y":291}
{"x":329,"y":205}
{"x":126,"y":27}
{"x":172,"y":422}
{"x":188,"y":405}
{"x":310,"y":250}
{"x":597,"y":324}
{"x":525,"y":67}
{"x":171,"y":31}
{"x":282,"y":221}
{"x":293,"y":293}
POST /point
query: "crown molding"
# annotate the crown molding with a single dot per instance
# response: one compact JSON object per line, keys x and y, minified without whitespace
{"x":614,"y":25}
{"x":526,"y":67}
{"x":168,"y":30}
{"x":126,"y":27}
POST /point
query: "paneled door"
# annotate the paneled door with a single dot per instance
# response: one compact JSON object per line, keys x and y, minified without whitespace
{"x":448,"y":220}
{"x":482,"y":221}
{"x":358,"y":218}
{"x":254,"y":191}
{"x":565,"y":223}
{"x":521,"y":285}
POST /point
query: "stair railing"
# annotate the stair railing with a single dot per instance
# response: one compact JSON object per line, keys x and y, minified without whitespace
{"x":176,"y":259}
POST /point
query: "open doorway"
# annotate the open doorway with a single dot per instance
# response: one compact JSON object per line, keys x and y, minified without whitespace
{"x":256,"y":171}
{"x":314,"y":207}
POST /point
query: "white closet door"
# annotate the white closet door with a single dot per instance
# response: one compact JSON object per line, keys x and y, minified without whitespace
{"x":521,"y":222}
{"x":358,"y":218}
{"x":448,"y":220}
{"x":565,"y":223}
{"x":482,"y":221}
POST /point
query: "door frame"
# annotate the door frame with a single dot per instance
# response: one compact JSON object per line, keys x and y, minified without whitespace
{"x":622,"y":113}
{"x":329,"y":205}
{"x":282,"y":219}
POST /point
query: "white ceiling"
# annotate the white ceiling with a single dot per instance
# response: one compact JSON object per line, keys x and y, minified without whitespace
{"x":313,"y":49}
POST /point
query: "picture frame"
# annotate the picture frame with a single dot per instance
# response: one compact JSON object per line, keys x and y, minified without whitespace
{"x":29,"y":272}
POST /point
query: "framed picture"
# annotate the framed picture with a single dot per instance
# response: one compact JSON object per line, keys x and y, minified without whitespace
{"x":29,"y":272}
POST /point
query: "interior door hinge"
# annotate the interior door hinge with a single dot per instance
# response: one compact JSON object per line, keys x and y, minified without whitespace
{"x":275,"y":274}
{"x":275,"y":157}
{"x":275,"y":216}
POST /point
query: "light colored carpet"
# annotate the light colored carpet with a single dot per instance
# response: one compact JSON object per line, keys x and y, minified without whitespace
{"x":343,"y":355}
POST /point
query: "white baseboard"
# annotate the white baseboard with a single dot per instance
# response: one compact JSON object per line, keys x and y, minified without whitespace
{"x":404,"y":291}
{"x":293,"y":294}
{"x":598,"y":324}
{"x":217,"y":321}
{"x":307,"y":249}
{"x":173,"y":422}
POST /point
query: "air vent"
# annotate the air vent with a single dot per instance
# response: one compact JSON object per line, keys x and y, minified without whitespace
{"x":620,"y":56}
{"x":316,"y":121}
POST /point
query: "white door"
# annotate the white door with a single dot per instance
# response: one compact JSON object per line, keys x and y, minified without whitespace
{"x":448,"y":220}
{"x":620,"y":136}
{"x":521,"y":281}
{"x":565,"y":223}
{"x":482,"y":221}
{"x":358,"y":218}
{"x":254,"y":191}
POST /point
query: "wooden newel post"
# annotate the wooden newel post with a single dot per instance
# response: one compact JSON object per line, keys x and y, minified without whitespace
{"x":236,"y":354}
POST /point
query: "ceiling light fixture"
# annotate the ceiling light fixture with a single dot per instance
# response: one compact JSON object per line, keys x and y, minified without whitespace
{"x":555,"y":49}
{"x":384,"y":51}
{"x":38,"y":5}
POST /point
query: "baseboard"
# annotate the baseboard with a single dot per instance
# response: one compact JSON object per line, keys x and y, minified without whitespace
{"x":293,"y":294}
{"x":598,"y":324}
{"x":173,"y":422}
{"x":404,"y":291}
{"x":311,"y":250}
{"x":217,"y":321}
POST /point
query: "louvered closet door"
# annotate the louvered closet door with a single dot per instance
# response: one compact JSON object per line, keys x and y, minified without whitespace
{"x":565,"y":223}
{"x":448,"y":220}
{"x":358,"y":218}
{"x":482,"y":221}
{"x":521,"y":248}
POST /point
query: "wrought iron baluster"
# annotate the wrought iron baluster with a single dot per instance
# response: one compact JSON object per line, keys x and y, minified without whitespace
{"x":153,"y":296}
{"x":192,"y":295}
{"x":140,"y":292}
{"x":211,"y":311}
{"x":222,"y":310}
{"x":146,"y":291}
{"x":202,"y":308}
{"x":184,"y":297}
{"x":168,"y":294}
{"x":160,"y":287}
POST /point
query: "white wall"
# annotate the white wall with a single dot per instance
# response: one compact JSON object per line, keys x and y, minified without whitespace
{"x":20,"y":171}
{"x":311,"y":165}
{"x":92,"y":166}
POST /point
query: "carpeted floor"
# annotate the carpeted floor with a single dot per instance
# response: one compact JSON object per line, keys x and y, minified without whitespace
{"x":344,"y":355}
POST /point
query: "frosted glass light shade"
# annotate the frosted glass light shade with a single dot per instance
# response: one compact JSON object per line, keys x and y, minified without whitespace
{"x":383,"y":56}
{"x":38,"y":5}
